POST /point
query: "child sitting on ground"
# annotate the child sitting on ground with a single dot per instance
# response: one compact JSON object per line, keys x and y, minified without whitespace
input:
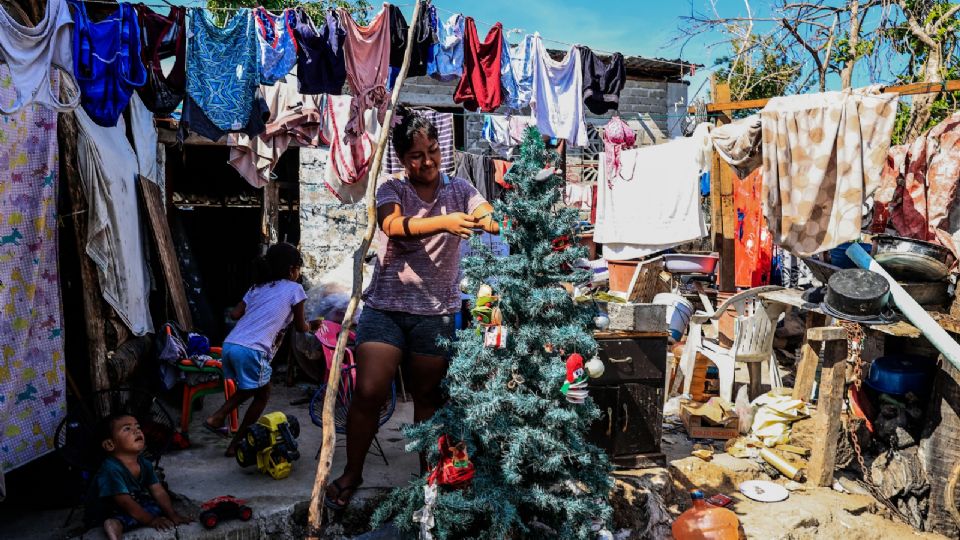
{"x":126,"y":492}
{"x":274,"y":301}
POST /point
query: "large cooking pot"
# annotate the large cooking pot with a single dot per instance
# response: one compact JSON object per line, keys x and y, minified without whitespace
{"x":857,"y":295}
{"x":912,"y":260}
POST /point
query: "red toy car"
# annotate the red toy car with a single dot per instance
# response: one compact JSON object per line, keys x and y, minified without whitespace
{"x":222,"y":508}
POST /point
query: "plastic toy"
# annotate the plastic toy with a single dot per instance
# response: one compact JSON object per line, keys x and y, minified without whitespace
{"x":271,"y":445}
{"x":223,"y":508}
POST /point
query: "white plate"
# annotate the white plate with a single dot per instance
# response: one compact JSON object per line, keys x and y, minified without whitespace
{"x":764,"y":491}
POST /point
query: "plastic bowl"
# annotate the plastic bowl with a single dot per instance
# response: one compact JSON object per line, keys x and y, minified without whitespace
{"x":691,"y":263}
{"x":899,"y":375}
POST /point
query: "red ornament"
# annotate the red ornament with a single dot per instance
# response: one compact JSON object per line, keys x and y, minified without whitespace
{"x":455,"y":469}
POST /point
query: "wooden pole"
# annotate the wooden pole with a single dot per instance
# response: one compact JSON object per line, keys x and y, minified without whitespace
{"x":823,"y":457}
{"x":325,"y":463}
{"x":809,"y":359}
{"x":721,"y":198}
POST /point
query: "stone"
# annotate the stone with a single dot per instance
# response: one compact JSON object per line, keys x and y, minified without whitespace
{"x":637,"y":317}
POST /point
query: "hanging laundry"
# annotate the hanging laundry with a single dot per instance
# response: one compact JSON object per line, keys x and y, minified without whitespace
{"x":108,"y":169}
{"x":479,"y":87}
{"x":150,"y":156}
{"x":478,"y":170}
{"x":557,"y":100}
{"x":822,"y":156}
{"x":602,"y":83}
{"x":500,"y":170}
{"x":504,"y":133}
{"x":578,"y":195}
{"x":617,"y":136}
{"x":162,"y":37}
{"x":223,"y":69}
{"x":31,"y":51}
{"x":444,"y":124}
{"x":511,"y":92}
{"x":348,"y":169}
{"x":32,"y":384}
{"x":419,"y":53}
{"x":918,"y":189}
{"x":446,"y":55}
{"x":106,"y":61}
{"x":293,"y":117}
{"x":367,"y":53}
{"x":193,"y":118}
{"x":660,"y":207}
{"x":321,"y":68}
{"x":739,"y":144}
{"x":753,"y":247}
{"x":278,"y":47}
{"x":522,"y":62}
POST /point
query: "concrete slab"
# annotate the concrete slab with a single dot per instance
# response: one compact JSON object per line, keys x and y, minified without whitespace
{"x":202,"y":472}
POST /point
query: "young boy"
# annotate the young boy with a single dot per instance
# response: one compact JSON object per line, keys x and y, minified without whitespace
{"x":126,"y":486}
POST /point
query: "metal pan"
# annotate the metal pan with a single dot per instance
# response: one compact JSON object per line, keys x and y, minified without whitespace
{"x":912,"y":260}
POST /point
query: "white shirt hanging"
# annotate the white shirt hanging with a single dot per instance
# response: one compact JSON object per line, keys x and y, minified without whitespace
{"x":557,"y":100}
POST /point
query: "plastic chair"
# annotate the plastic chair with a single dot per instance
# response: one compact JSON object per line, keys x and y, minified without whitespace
{"x":754,"y":328}
{"x":191,"y":392}
{"x":348,"y":378}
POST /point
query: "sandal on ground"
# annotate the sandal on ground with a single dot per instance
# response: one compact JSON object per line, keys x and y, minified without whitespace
{"x":222,"y":432}
{"x":332,"y":503}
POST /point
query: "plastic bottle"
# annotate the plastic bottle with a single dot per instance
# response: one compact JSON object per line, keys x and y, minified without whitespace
{"x":706,"y":522}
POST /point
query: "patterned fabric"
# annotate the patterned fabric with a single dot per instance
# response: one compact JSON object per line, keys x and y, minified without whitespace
{"x":32,"y":400}
{"x":822,"y":156}
{"x":278,"y":48}
{"x":617,"y":136}
{"x":738,"y":144}
{"x":223,"y":68}
{"x":918,"y":186}
{"x":106,"y":60}
{"x":444,"y":124}
{"x":446,"y":56}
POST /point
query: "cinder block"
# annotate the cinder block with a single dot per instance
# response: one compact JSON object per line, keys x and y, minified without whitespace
{"x":637,"y":317}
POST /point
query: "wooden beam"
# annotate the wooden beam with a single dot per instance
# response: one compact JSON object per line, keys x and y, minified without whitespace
{"x":809,"y":359}
{"x":823,"y":456}
{"x":329,"y":437}
{"x":727,"y":106}
{"x":269,"y":228}
{"x":721,"y":198}
{"x":160,"y":229}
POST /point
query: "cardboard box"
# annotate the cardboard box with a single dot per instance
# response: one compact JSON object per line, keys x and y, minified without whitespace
{"x":714,"y":419}
{"x":637,"y":317}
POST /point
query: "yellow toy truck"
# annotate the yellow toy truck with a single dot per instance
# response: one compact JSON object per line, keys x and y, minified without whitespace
{"x":271,"y":443}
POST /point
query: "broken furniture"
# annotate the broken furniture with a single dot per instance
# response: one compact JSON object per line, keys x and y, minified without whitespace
{"x":630,"y":395}
{"x":754,"y":327}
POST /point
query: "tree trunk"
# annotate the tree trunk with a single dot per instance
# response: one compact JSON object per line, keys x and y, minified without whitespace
{"x":923,"y":103}
{"x":846,"y":74}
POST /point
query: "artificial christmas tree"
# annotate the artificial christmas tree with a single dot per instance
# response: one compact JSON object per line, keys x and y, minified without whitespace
{"x":524,"y":467}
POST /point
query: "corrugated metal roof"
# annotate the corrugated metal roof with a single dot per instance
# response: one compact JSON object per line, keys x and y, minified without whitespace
{"x":640,"y":68}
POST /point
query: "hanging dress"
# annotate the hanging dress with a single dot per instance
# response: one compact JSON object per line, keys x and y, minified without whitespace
{"x":367,"y":53}
{"x":223,"y":68}
{"x":162,"y":37}
{"x":446,"y":55}
{"x":321,"y":68}
{"x":106,"y":60}
{"x":557,"y":99}
{"x":348,"y":168}
{"x":30,"y":52}
{"x":479,"y":87}
{"x":278,"y":47}
{"x":602,"y":83}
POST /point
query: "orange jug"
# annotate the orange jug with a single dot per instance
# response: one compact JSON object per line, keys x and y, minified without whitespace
{"x":706,"y":522}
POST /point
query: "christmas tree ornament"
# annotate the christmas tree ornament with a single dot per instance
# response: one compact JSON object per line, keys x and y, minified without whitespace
{"x":515,"y":381}
{"x":424,"y":516}
{"x":548,"y":348}
{"x":595,"y":367}
{"x":455,"y":469}
{"x":466,"y":285}
{"x":575,"y":387}
{"x":601,"y":321}
{"x":495,"y":336}
{"x":545,"y":174}
{"x":485,"y":291}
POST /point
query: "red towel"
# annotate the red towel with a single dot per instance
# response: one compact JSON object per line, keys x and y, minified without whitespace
{"x":480,"y":85}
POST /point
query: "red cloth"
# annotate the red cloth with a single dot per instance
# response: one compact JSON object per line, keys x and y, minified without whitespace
{"x":480,"y":85}
{"x":753,"y":248}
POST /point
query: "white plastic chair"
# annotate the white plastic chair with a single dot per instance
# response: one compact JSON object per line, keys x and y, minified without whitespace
{"x":754,"y":328}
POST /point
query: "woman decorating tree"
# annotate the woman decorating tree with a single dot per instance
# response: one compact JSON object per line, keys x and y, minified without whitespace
{"x":411,"y":301}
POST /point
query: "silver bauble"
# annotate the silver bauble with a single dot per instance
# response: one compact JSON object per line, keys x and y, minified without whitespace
{"x":465,"y":287}
{"x":602,"y":322}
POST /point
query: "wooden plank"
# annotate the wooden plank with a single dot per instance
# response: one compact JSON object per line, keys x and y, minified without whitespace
{"x":823,"y":455}
{"x":160,"y":229}
{"x":904,"y":89}
{"x":645,"y":282}
{"x":826,"y":333}
{"x":627,"y":334}
{"x":809,"y":358}
{"x":721,"y":199}
{"x":269,"y":230}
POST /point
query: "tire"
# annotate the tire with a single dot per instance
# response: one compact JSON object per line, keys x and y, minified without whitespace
{"x":245,"y":456}
{"x":209,"y":519}
{"x":258,"y":437}
{"x":246,"y":513}
{"x":294,"y":426}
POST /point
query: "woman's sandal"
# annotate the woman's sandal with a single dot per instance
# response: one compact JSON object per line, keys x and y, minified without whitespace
{"x":222,"y":432}
{"x":332,"y":503}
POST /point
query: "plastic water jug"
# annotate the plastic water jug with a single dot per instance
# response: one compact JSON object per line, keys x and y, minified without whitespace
{"x":706,"y":522}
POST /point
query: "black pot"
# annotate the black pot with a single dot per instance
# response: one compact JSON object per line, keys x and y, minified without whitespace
{"x":857,"y":295}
